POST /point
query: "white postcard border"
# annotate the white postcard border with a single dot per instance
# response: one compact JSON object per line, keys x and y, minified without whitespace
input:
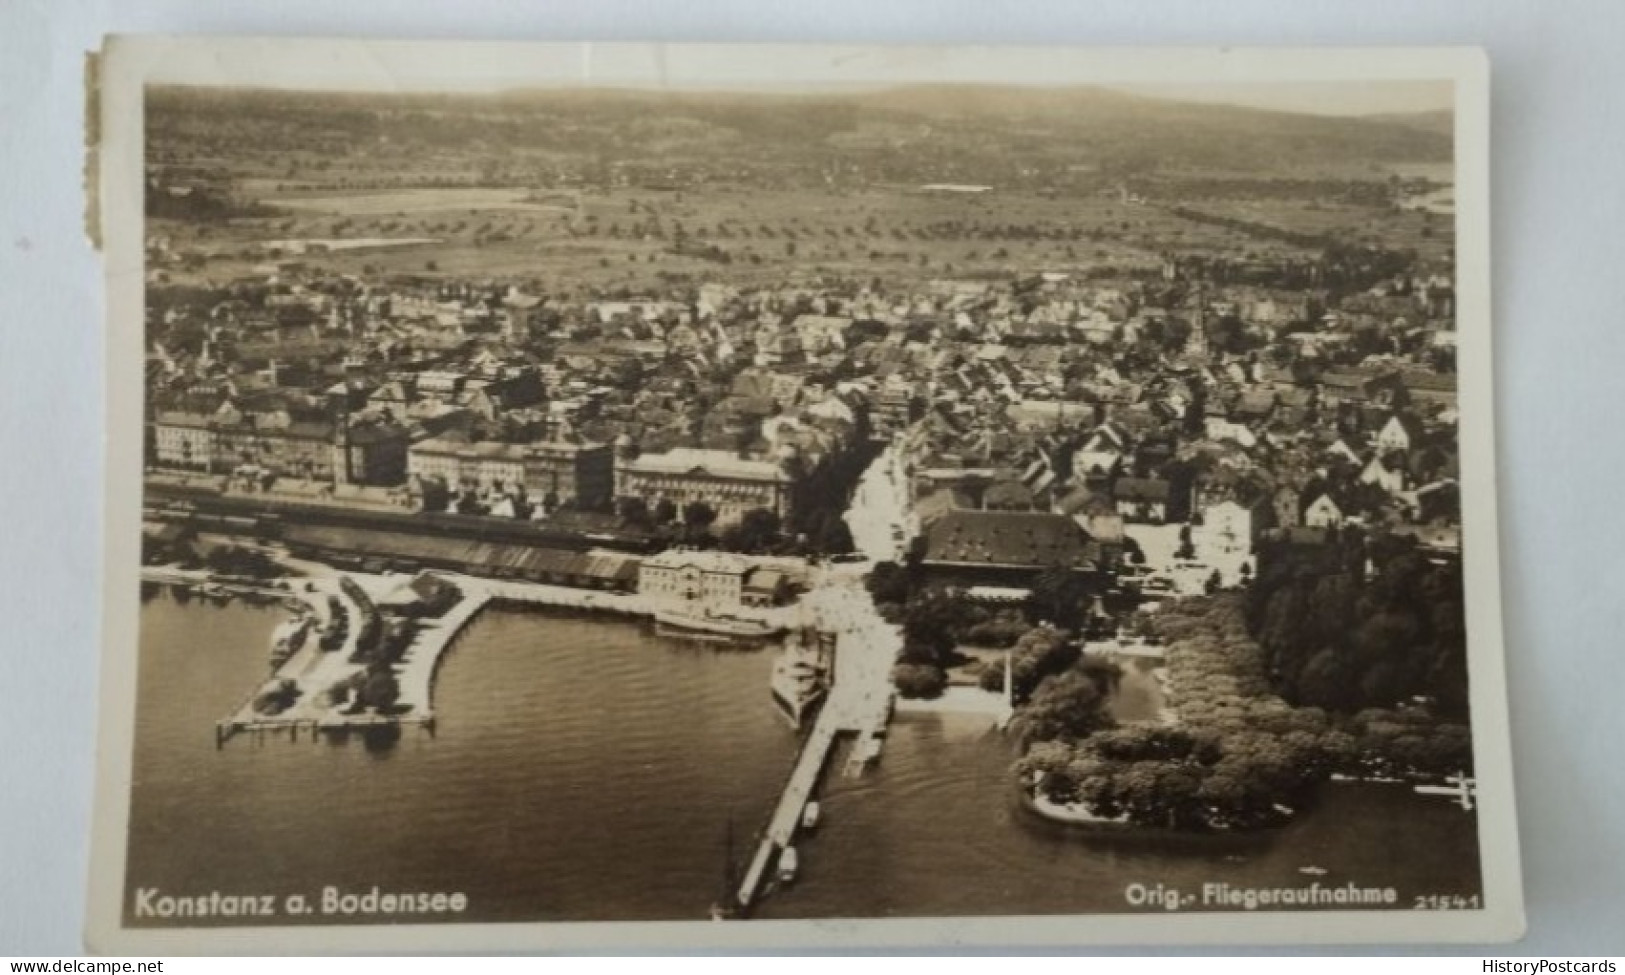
{"x":129,"y":63}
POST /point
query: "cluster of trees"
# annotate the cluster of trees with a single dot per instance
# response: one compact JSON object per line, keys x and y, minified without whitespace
{"x":1041,"y":651}
{"x":1068,"y":703}
{"x":394,"y":637}
{"x":1177,"y":778}
{"x":1004,"y":630}
{"x":277,"y":697}
{"x":1240,"y":758}
{"x":818,"y":505}
{"x":890,"y":585}
{"x":828,"y":534}
{"x":202,"y":204}
{"x":509,"y":500}
{"x":759,"y":531}
{"x":1338,"y":640}
{"x":1059,"y":595}
{"x":689,"y":524}
{"x":1410,"y":744}
{"x":234,"y":560}
{"x":155,"y":551}
{"x":935,"y":621}
{"x":1350,"y":192}
{"x":1340,"y":268}
{"x":374,"y":687}
{"x":919,"y":680}
{"x":1219,"y":676}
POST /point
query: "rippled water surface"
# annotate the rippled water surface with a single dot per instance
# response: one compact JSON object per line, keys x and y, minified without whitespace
{"x":587,"y":768}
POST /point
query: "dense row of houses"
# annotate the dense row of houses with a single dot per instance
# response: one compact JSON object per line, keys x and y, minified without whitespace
{"x":1050,"y":408}
{"x":1031,"y":457}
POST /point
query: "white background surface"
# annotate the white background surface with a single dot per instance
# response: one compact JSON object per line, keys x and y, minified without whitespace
{"x":1558,"y":96}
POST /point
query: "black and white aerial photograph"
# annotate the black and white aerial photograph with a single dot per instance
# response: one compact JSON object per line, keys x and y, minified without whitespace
{"x":795,"y":494}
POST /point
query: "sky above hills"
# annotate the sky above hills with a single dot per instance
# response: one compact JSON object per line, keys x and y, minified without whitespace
{"x":1317,"y":82}
{"x":1313,"y":98}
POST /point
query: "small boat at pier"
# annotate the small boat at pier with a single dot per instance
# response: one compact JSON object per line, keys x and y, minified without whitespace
{"x":811,"y":815}
{"x":789,"y":865}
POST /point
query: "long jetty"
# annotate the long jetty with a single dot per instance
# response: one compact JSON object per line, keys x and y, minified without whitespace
{"x":854,"y":709}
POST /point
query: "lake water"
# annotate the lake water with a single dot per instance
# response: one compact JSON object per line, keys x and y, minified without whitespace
{"x":587,"y":768}
{"x":938,"y":830}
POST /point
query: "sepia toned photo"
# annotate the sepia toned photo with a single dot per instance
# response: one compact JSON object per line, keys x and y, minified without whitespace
{"x":983,"y":496}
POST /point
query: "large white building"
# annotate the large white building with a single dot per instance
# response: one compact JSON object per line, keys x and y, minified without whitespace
{"x":486,"y":465}
{"x":563,"y":472}
{"x":713,"y":579}
{"x":183,"y":440}
{"x":728,"y":483}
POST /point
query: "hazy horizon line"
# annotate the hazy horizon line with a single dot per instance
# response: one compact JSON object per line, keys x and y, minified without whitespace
{"x":1323,"y":99}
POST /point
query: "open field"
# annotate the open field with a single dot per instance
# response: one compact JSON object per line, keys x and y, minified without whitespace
{"x":384,"y":203}
{"x":1431,"y":235}
{"x":628,"y":189}
{"x":637,"y":238}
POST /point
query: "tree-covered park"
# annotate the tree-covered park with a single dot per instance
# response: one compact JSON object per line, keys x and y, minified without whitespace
{"x":1367,"y":624}
{"x":1239,"y":755}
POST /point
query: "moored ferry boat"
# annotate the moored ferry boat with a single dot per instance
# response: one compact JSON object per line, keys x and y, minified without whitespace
{"x":723,"y":624}
{"x":801,"y":674}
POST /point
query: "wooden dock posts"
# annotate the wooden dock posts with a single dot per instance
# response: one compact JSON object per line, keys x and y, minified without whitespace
{"x":227,"y":729}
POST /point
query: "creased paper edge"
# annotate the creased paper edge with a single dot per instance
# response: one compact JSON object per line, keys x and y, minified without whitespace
{"x":93,"y":149}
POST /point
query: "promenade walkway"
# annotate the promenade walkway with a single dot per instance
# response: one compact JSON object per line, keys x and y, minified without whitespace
{"x":850,"y":712}
{"x":314,"y":671}
{"x":623,"y":603}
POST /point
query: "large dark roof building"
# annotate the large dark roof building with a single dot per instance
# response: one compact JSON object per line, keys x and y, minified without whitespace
{"x":1004,"y":547}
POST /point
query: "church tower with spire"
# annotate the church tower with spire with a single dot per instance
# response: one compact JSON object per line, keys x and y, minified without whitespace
{"x":1196,"y":341}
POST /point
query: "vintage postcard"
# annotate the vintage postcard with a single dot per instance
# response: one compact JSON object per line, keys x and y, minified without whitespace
{"x":700,"y":496}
